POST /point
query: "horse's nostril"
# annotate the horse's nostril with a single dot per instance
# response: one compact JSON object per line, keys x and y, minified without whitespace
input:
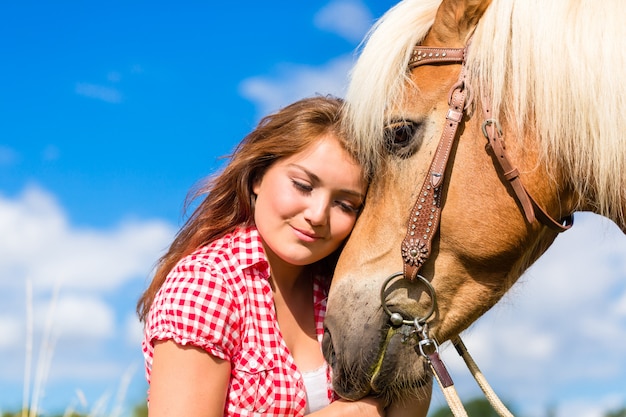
{"x":328,"y":349}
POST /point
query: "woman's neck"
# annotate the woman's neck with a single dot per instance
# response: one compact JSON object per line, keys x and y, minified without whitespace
{"x":285,"y":277}
{"x":291,"y":282}
{"x":295,"y":312}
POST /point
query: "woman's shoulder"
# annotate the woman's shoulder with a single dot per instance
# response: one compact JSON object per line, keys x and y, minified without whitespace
{"x":226,"y":258}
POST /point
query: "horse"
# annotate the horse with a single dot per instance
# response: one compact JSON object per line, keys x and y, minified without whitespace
{"x":484,"y":125}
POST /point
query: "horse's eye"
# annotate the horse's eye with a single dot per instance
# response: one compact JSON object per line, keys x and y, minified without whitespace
{"x":399,"y":137}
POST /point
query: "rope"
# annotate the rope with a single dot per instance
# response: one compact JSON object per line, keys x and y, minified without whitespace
{"x":452,"y":398}
{"x":491,"y":396}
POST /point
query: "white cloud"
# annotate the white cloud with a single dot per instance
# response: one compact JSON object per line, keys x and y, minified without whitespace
{"x":11,"y":330}
{"x":595,"y":408}
{"x":78,"y":316}
{"x":82,"y":368}
{"x":620,"y":306}
{"x":290,"y":82}
{"x":560,"y":331}
{"x":133,"y":330}
{"x":293,"y":82}
{"x":45,"y":248}
{"x":349,"y":19}
{"x":98,"y":92}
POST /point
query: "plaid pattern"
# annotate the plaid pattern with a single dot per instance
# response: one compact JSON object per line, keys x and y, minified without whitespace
{"x":219,"y":299}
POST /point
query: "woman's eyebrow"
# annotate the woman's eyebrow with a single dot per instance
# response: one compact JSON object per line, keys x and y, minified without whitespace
{"x":310,"y":174}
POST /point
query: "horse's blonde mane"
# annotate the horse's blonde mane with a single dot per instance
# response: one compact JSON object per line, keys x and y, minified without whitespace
{"x":379,"y":76}
{"x":552,"y":67}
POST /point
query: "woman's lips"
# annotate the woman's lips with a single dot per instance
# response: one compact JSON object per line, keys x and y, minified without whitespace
{"x":306,"y":236}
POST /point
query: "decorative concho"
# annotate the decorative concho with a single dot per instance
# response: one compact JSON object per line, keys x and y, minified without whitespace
{"x":414,"y":252}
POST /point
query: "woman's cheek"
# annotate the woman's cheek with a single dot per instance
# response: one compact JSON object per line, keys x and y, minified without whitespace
{"x":343,"y":225}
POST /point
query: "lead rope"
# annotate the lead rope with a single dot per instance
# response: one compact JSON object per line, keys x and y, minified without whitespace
{"x":429,"y":349}
{"x":444,"y":380}
{"x":480,"y":379}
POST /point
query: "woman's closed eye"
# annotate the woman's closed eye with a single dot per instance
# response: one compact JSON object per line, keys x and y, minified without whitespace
{"x":303,"y":187}
{"x":349,"y":206}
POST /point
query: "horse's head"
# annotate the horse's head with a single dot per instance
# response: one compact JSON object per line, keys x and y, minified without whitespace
{"x":486,"y":236}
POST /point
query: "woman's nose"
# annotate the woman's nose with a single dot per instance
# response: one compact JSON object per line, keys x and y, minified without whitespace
{"x":317,"y":211}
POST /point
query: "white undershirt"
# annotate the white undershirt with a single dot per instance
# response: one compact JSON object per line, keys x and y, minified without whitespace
{"x":316,"y":386}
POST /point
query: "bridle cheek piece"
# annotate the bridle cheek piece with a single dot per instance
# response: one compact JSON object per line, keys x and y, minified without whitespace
{"x":426,"y":212}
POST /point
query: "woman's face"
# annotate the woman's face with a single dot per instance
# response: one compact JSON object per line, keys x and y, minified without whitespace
{"x":307,"y":204}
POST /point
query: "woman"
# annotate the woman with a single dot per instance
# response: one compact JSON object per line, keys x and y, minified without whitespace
{"x":233,"y":316}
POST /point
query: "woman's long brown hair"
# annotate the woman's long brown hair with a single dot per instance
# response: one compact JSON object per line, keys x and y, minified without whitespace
{"x":228,"y":196}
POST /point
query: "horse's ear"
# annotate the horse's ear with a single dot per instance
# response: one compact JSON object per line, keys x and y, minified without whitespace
{"x":455,"y":21}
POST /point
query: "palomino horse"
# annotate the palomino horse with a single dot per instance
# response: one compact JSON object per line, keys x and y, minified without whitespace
{"x":451,"y":213}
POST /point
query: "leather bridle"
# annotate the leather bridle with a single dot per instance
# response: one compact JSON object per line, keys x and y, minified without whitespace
{"x":426,"y":212}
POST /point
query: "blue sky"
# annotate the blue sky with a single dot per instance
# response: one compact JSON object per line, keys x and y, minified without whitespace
{"x":110,"y":112}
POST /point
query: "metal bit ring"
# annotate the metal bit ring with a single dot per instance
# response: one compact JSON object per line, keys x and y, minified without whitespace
{"x":396,"y":318}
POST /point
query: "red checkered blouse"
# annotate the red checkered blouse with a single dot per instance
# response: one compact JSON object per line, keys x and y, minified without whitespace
{"x":219,"y":299}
